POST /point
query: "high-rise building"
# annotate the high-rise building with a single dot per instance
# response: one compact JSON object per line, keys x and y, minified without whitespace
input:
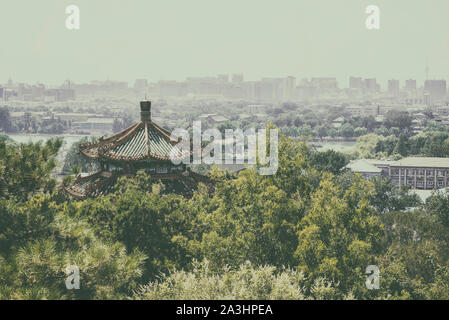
{"x":355,"y":83}
{"x":223,"y":78}
{"x":393,"y":87}
{"x":410,"y":84}
{"x":289,"y":87}
{"x":371,"y":85}
{"x":436,"y":89}
{"x":237,"y":78}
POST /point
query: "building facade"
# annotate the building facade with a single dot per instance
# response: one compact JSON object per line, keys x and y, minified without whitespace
{"x":424,"y":173}
{"x":421,"y":172}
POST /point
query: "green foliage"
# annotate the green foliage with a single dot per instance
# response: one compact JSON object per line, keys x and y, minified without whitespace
{"x":40,"y":241}
{"x":73,"y":158}
{"x":388,"y":197}
{"x":429,"y":144}
{"x":339,"y":236}
{"x":248,"y":282}
{"x":309,"y":232}
{"x":26,"y":168}
{"x":438,"y":204}
{"x":329,"y":161}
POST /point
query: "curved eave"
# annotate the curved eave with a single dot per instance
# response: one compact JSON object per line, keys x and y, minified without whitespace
{"x":80,"y":196}
{"x":89,"y":155}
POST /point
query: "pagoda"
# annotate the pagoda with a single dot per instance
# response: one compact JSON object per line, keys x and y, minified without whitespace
{"x":142,"y":146}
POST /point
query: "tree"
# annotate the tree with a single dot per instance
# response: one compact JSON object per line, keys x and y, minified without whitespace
{"x":5,"y":119}
{"x":339,"y":236}
{"x":26,"y":168}
{"x":346,"y":130}
{"x":330,"y":161}
{"x":248,"y":282}
{"x":38,"y":242}
{"x":388,"y":197}
{"x":401,"y":147}
{"x":74,"y":158}
{"x":399,"y":119}
{"x":438,"y":205}
{"x":360,"y":131}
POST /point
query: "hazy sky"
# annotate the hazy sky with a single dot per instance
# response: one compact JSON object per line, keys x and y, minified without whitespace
{"x":174,"y":39}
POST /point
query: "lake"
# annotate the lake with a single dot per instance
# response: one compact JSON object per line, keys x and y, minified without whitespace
{"x":340,"y":146}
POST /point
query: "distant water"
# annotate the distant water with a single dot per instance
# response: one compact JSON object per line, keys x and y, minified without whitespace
{"x":69,"y":140}
{"x":336,"y":146}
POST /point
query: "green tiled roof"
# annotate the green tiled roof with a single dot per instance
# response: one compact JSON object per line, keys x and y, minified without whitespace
{"x":422,"y":162}
{"x":93,"y":185}
{"x":101,"y":183}
{"x":142,"y":141}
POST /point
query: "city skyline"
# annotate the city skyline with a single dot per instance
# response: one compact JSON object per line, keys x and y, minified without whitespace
{"x":160,"y":40}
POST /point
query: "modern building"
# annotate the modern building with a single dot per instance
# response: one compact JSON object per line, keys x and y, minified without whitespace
{"x":410,"y":84}
{"x":393,"y":87}
{"x":416,"y":172}
{"x":421,"y":172}
{"x":436,"y":89}
{"x":356,"y":83}
{"x":370,"y":167}
{"x":371,"y":85}
{"x":237,"y":78}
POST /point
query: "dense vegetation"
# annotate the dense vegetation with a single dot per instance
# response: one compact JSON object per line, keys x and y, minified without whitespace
{"x":308,"y":232}
{"x":429,"y":144}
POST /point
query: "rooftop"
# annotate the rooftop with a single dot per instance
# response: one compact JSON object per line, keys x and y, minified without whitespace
{"x":422,"y":162}
{"x":363,"y":165}
{"x":144,"y":140}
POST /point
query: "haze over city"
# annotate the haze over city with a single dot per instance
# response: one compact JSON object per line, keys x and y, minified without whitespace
{"x":172,"y":40}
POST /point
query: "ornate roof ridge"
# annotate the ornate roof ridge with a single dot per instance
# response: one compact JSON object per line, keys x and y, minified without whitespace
{"x":102,"y":141}
{"x":120,"y":141}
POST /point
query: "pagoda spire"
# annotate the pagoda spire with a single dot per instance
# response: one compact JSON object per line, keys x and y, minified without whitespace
{"x":145,"y":111}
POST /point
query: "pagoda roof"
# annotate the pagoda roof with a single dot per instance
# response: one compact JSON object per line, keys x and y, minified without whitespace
{"x":144,"y":140}
{"x":92,"y":186}
{"x":102,"y":182}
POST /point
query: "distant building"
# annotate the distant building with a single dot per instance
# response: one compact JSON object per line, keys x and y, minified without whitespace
{"x":95,"y":125}
{"x":140,"y":86}
{"x":216,"y":119}
{"x":416,"y":172}
{"x":436,"y":89}
{"x":356,"y":83}
{"x":60,"y":94}
{"x":324,"y":83}
{"x":421,"y":172}
{"x":223,"y":78}
{"x":237,"y":78}
{"x":393,"y":87}
{"x":365,"y":167}
{"x":410,"y":84}
{"x":371,"y":85}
